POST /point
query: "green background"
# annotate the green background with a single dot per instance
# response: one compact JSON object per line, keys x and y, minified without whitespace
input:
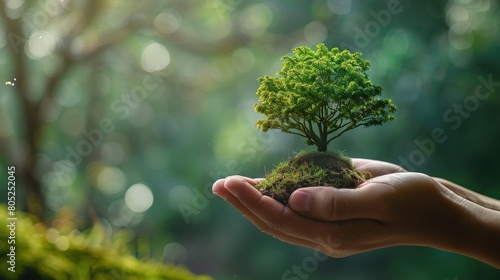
{"x":161,"y":93}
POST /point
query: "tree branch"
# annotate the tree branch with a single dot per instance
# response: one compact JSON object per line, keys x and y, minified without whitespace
{"x":69,"y":60}
{"x":298,"y":133}
{"x":86,"y":17}
{"x":15,"y":33}
{"x":342,"y":132}
{"x":314,"y":137}
{"x":109,"y":39}
{"x":17,"y":41}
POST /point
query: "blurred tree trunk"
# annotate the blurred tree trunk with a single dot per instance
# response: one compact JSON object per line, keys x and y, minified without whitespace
{"x":33,"y":111}
{"x":73,"y":22}
{"x":28,"y":110}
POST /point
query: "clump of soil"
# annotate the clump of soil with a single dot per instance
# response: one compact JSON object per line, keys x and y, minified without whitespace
{"x":309,"y":169}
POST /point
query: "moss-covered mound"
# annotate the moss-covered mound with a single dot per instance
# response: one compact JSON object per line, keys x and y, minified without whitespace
{"x":309,"y":169}
{"x":46,"y":253}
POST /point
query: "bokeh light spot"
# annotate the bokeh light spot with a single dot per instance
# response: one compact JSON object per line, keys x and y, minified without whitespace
{"x":121,"y":215}
{"x":14,"y":4}
{"x":62,"y":243}
{"x":256,"y":19}
{"x":460,"y":41}
{"x":398,"y":41}
{"x":315,"y":32}
{"x":340,"y":7}
{"x":41,"y":44}
{"x":14,"y":8}
{"x":216,"y":28}
{"x":111,"y":180}
{"x":175,"y":253}
{"x":457,"y":13}
{"x":51,"y":235}
{"x":167,"y":22}
{"x":155,"y":57}
{"x":139,"y":198}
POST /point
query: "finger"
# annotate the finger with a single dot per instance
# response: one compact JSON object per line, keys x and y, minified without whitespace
{"x":331,"y":204}
{"x":219,"y":189}
{"x":336,"y":239}
{"x":275,"y":216}
{"x":376,"y":168}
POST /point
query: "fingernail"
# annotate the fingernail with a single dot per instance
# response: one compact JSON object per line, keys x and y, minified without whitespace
{"x":300,"y":201}
{"x":216,"y":186}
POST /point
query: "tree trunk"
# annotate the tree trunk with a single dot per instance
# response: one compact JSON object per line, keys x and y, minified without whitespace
{"x":323,"y":142}
{"x":322,"y":147}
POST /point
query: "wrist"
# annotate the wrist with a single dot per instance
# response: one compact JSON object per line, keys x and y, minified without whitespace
{"x":471,"y":230}
{"x":485,"y":245}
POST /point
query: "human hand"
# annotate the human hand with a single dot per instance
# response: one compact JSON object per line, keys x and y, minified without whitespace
{"x":342,"y":222}
{"x":393,"y":208}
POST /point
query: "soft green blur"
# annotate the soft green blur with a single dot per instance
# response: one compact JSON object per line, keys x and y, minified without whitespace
{"x":126,"y":112}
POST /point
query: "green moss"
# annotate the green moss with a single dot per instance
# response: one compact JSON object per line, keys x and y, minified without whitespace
{"x":42,"y":253}
{"x":308,"y":169}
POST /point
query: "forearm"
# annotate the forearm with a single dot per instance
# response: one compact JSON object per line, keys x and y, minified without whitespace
{"x":472,"y":230}
{"x":486,"y":243}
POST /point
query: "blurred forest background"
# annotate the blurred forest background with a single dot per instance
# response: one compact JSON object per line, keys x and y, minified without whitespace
{"x":123,"y":114}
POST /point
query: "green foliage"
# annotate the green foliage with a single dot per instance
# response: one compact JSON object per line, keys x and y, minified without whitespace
{"x":43,"y":253}
{"x":320,"y":95}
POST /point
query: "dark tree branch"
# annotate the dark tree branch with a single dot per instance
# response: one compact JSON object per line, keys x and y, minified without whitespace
{"x":85,"y":19}
{"x":33,"y":111}
{"x":16,"y":47}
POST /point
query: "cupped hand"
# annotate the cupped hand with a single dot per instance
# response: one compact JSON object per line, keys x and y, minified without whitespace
{"x":393,"y":208}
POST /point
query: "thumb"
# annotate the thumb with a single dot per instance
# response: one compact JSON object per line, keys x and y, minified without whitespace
{"x":331,"y":204}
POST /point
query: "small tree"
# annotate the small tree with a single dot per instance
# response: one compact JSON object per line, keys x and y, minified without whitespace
{"x":320,"y":95}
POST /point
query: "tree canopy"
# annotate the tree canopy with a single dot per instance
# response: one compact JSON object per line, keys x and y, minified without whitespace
{"x":320,"y":95}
